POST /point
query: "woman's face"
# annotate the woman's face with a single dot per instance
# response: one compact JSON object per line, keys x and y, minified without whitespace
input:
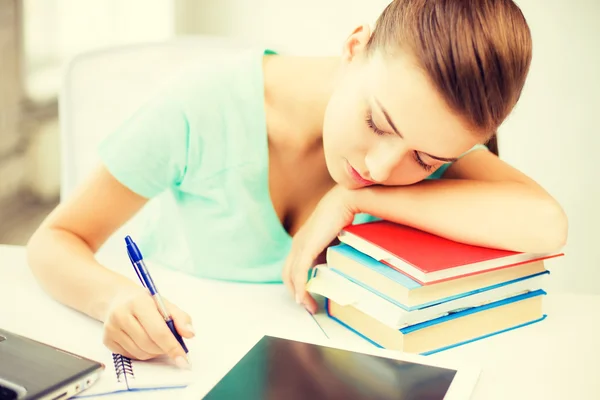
{"x":385,"y":123}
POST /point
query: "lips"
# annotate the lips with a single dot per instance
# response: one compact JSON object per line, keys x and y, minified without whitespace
{"x":357,"y":177}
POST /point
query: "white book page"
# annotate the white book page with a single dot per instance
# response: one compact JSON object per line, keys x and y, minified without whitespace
{"x":127,"y":374}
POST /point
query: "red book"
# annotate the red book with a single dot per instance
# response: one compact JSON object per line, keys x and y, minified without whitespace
{"x":428,"y":258}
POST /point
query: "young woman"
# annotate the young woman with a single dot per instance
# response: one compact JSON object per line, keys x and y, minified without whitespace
{"x":268,"y":157}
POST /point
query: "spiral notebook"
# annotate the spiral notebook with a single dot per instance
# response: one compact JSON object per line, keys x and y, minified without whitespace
{"x":123,"y":374}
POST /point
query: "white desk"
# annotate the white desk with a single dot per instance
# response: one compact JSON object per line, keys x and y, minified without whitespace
{"x":555,"y":359}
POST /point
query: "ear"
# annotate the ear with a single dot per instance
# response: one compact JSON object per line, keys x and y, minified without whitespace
{"x":356,"y":43}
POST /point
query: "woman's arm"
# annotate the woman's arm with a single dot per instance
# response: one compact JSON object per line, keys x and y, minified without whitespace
{"x":481,"y":201}
{"x":61,"y":256}
{"x":61,"y":251}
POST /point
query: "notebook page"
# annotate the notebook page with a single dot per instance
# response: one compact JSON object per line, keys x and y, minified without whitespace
{"x":123,"y":374}
{"x":157,"y":373}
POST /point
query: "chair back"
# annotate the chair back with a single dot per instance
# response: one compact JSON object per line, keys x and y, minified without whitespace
{"x":101,"y":89}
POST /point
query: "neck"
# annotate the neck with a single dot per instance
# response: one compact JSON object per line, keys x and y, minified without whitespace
{"x":297,"y":90}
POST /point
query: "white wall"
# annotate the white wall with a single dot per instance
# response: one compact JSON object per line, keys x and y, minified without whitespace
{"x":56,"y":30}
{"x":302,"y":27}
{"x":552,"y":135}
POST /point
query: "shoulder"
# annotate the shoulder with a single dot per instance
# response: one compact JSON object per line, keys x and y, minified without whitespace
{"x":216,"y":79}
{"x":222,"y":100}
{"x":200,"y":121}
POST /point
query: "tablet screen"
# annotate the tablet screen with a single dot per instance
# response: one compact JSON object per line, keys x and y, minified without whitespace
{"x":277,"y":368}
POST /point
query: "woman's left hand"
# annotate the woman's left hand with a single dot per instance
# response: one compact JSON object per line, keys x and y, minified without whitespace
{"x":334,"y":212}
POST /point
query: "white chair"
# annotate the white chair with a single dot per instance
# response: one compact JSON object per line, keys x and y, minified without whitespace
{"x":102,"y":88}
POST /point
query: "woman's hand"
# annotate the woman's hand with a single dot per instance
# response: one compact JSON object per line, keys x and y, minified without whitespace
{"x":334,"y":212}
{"x":135,"y":328}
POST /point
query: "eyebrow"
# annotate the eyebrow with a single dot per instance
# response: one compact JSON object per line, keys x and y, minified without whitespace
{"x":444,"y":159}
{"x":389,"y":120}
{"x":387,"y":117}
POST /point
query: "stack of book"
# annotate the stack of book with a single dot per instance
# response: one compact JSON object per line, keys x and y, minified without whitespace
{"x":412,"y":291}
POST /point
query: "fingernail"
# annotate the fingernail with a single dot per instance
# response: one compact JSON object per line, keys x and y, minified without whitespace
{"x":190,"y":328}
{"x":182,"y":363}
{"x":298,"y":299}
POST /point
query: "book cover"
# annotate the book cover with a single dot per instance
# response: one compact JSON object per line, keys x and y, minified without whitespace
{"x":453,"y":317}
{"x":406,"y":283}
{"x":428,"y":258}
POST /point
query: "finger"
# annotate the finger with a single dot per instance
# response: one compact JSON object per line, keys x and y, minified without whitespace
{"x":310,"y":303}
{"x":300,"y":277}
{"x":183,"y":322}
{"x":125,"y":341}
{"x":132,"y":326}
{"x":114,"y":333}
{"x":158,"y":330}
{"x":117,"y":349}
{"x":291,"y":265}
{"x":287,"y":277}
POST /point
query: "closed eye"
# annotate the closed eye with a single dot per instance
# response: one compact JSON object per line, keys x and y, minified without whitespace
{"x":371,"y":124}
{"x":423,"y":164}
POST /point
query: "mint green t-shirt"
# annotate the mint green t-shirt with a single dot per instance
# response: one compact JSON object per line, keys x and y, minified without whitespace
{"x":199,"y":150}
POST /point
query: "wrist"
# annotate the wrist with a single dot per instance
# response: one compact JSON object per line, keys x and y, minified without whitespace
{"x":346,"y":198}
{"x":358,"y":200}
{"x":110,"y":289}
{"x":386,"y":202}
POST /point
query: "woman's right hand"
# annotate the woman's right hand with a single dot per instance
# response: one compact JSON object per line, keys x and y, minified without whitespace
{"x":135,"y":328}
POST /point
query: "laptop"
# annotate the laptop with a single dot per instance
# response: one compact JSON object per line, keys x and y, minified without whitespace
{"x":34,"y":370}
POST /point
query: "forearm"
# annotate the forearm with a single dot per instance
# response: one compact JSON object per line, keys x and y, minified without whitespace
{"x":505,"y":215}
{"x":66,"y":268}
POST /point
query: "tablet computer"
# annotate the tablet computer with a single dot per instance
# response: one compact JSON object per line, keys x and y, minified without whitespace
{"x":277,"y":367}
{"x":33,"y":370}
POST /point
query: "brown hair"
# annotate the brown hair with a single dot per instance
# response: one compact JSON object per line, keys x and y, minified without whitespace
{"x":477,"y":53}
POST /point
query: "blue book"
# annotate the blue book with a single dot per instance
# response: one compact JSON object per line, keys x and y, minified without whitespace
{"x":409,"y":294}
{"x":445,"y":332}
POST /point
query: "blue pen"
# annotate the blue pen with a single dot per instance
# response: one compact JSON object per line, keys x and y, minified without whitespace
{"x":135,"y":256}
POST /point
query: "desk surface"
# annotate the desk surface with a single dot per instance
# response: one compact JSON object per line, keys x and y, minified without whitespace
{"x":555,"y":359}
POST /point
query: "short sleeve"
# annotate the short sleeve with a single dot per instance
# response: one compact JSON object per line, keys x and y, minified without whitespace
{"x":441,"y":170}
{"x":148,"y":152}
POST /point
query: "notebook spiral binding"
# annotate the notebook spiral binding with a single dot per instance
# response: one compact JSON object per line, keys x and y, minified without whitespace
{"x":123,"y":367}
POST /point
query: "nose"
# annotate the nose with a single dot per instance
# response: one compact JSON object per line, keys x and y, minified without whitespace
{"x":382,"y":160}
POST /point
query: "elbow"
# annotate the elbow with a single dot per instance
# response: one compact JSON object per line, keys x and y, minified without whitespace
{"x":38,"y":259}
{"x":31,"y":252}
{"x":36,"y":253}
{"x":553,"y":228}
